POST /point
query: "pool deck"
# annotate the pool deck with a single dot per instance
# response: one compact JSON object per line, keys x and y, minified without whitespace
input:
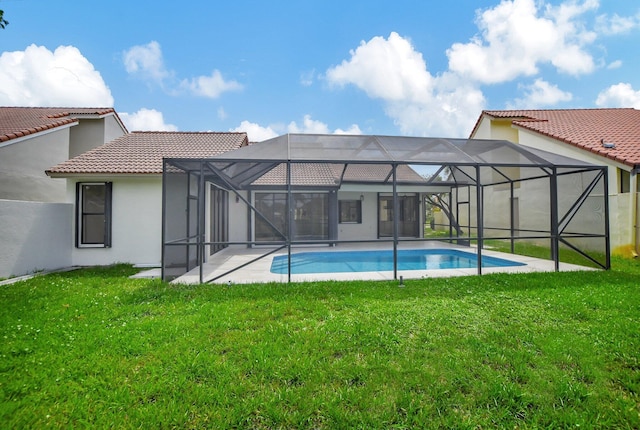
{"x":259,"y":271}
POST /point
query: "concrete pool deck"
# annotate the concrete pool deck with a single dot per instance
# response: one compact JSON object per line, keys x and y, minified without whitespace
{"x":259,"y":271}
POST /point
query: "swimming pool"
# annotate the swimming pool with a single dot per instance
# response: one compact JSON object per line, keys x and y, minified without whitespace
{"x":382,"y":261}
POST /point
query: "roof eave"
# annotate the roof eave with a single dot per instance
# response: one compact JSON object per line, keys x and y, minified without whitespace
{"x":19,"y":136}
{"x":64,"y":175}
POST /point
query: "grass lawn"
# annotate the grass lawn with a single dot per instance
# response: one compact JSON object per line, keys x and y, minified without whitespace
{"x":92,"y":348}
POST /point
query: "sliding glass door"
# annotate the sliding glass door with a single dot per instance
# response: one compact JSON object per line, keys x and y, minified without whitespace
{"x":408,"y":220}
{"x":310,"y":216}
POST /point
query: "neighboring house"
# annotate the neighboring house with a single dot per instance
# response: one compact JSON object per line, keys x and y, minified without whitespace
{"x":34,"y":139}
{"x":608,"y":137}
{"x":117,"y":193}
{"x":34,"y":211}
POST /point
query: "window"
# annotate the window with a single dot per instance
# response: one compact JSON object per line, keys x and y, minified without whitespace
{"x":94,"y":215}
{"x":350,"y":211}
{"x":625,"y":181}
{"x":310,"y":216}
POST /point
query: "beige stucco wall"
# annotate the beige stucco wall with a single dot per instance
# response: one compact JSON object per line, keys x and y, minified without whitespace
{"x":621,"y":224}
{"x":136,"y":223}
{"x":368,"y":229}
{"x":93,"y":132}
{"x":112,"y":128}
{"x":23,"y":162}
{"x":88,"y":134}
{"x":239,"y":218}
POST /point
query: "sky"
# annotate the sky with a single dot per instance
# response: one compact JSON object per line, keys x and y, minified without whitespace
{"x":401,"y":67}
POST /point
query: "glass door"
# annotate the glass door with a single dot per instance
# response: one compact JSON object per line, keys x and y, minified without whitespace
{"x":408,"y":221}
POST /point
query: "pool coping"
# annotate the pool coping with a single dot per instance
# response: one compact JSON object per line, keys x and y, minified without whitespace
{"x":259,"y":271}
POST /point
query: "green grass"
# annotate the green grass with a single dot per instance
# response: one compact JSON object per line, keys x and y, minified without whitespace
{"x":567,"y":255}
{"x":92,"y":348}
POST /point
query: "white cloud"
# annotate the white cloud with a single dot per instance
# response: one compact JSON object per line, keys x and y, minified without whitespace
{"x":619,"y":95}
{"x":616,"y":24}
{"x":39,"y":77}
{"x":256,"y":132}
{"x":313,"y":126}
{"x":308,"y":126}
{"x":353,"y":129}
{"x":389,"y":69}
{"x":146,"y":61}
{"x":515,"y":37}
{"x":540,"y":94}
{"x":222,"y":114}
{"x":614,"y":65}
{"x":307,"y":78}
{"x":146,"y":120}
{"x":210,"y":86}
{"x":393,"y":71}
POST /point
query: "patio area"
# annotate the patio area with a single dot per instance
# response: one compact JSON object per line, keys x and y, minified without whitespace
{"x":259,"y":271}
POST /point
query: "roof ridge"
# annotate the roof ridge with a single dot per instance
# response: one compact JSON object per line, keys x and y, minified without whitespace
{"x":557,"y":110}
{"x":185,"y":132}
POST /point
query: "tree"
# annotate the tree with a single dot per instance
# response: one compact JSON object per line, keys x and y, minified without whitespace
{"x":3,"y":22}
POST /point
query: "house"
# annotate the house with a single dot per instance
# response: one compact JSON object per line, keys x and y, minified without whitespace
{"x":608,"y":137}
{"x":34,"y":139}
{"x":116,"y":190}
{"x":176,"y":198}
{"x":34,"y":211}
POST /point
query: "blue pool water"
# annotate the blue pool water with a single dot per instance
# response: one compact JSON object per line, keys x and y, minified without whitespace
{"x":382,"y":261}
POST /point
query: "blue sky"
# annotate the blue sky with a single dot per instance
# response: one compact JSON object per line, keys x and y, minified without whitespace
{"x":403,"y":67}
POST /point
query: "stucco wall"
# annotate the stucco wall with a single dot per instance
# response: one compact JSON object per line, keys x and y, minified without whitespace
{"x":620,"y":205}
{"x":88,"y":134}
{"x":34,"y":236}
{"x":238,"y":218}
{"x":136,"y":223}
{"x":368,"y":229}
{"x":548,"y":144}
{"x":22,"y":166}
{"x":112,"y":128}
{"x":93,"y":132}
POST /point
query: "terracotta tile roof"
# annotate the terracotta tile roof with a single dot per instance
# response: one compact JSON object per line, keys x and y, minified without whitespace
{"x":378,"y":173}
{"x":142,"y":152}
{"x":323,"y":174}
{"x":305,"y":174}
{"x":22,"y":121}
{"x":584,"y":128}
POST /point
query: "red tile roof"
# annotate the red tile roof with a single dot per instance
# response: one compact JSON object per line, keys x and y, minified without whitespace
{"x":303,"y":174}
{"x":378,"y":173}
{"x":22,"y":121}
{"x":142,"y":152}
{"x":584,"y":128}
{"x":324,"y":174}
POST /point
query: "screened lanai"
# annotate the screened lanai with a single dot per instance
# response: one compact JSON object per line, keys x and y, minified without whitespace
{"x":299,"y":190}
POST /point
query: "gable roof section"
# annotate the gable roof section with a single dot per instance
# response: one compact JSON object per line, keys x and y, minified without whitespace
{"x":17,"y":122}
{"x":142,"y":152}
{"x":584,"y":128}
